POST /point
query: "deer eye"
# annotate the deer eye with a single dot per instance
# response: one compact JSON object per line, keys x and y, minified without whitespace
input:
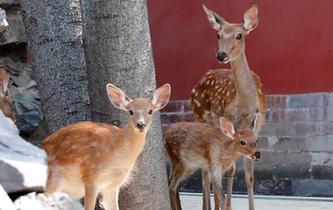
{"x":242,"y":142}
{"x":218,"y":36}
{"x":150,"y":111}
{"x":239,"y":36}
{"x":131,"y":112}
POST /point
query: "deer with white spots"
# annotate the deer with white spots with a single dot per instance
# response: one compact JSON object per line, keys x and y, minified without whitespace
{"x":89,"y":159}
{"x":232,"y":93}
{"x":6,"y":103}
{"x":194,"y":145}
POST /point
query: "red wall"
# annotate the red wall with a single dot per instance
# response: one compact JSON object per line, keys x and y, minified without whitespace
{"x":291,"y":49}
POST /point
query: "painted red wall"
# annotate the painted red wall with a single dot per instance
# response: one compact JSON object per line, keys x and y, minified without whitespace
{"x":291,"y":49}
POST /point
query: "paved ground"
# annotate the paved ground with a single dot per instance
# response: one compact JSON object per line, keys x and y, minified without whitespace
{"x":192,"y":201}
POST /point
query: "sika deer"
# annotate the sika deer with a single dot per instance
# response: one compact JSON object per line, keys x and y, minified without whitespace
{"x":88,"y":159}
{"x":6,"y":104}
{"x":194,"y":145}
{"x":234,"y":94}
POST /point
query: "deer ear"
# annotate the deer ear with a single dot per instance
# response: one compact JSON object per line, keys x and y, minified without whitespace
{"x":253,"y":121}
{"x":161,"y":97}
{"x":214,"y":19}
{"x":251,"y":18}
{"x":227,"y":127}
{"x":117,"y":97}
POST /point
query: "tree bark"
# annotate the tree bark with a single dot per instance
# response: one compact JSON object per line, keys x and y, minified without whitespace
{"x":54,"y":30}
{"x":118,"y":50}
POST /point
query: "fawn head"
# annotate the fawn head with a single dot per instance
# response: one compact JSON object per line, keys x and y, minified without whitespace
{"x":245,"y":139}
{"x":6,"y":104}
{"x":231,"y":36}
{"x":140,"y":109}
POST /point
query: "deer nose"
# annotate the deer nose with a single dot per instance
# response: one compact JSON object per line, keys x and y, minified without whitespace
{"x":140,"y":125}
{"x":221,"y":56}
{"x":258,"y":155}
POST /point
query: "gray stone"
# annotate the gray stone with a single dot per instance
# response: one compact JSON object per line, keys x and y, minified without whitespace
{"x":322,"y":172}
{"x":276,"y":101}
{"x":3,"y":21}
{"x":290,"y":144}
{"x":22,"y":164}
{"x":319,"y":143}
{"x":57,"y":201}
{"x":15,"y":32}
{"x":6,"y":203}
{"x":23,"y":89}
{"x":9,"y":2}
{"x":313,"y":100}
{"x":311,"y":187}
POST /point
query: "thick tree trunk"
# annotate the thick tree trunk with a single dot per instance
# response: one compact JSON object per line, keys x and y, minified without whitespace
{"x":54,"y":30}
{"x":118,"y":50}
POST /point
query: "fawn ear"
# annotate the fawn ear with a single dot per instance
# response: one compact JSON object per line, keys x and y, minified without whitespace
{"x":214,"y":19}
{"x":117,"y":97}
{"x":161,"y":97}
{"x":251,"y":18}
{"x":227,"y":127}
{"x":4,"y":81}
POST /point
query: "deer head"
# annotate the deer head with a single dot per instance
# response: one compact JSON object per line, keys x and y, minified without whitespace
{"x":231,"y":36}
{"x":140,"y":109}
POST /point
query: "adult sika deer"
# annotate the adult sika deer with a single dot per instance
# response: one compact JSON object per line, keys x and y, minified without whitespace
{"x":234,"y":93}
{"x":194,"y":145}
{"x":87,"y":159}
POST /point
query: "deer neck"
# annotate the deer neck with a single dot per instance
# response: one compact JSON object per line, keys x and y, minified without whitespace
{"x":136,"y":142}
{"x":245,"y":85}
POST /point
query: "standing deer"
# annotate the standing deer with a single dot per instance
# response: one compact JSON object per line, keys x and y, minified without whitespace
{"x":194,"y":145}
{"x":6,"y":104}
{"x":87,"y":159}
{"x":232,"y":93}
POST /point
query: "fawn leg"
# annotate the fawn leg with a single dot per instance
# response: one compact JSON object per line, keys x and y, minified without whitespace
{"x":110,"y":198}
{"x":53,"y":182}
{"x":249,"y":177}
{"x":205,"y":190}
{"x":90,"y":197}
{"x":230,"y":178}
{"x":216,"y":178}
{"x":178,"y":174}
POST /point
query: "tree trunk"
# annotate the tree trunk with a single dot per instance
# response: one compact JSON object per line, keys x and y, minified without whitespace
{"x":54,"y":30}
{"x":118,"y":50}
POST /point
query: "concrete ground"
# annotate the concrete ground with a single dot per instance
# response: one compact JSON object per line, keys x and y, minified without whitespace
{"x":193,"y":201}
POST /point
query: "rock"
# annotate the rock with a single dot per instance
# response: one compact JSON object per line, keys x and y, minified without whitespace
{"x":15,"y":32}
{"x":22,"y":164}
{"x":25,"y":95}
{"x":3,"y":21}
{"x":58,"y":201}
{"x":9,"y":2}
{"x":6,"y":203}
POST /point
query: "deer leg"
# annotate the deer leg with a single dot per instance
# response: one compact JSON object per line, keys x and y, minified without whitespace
{"x":216,"y":179}
{"x":205,"y":190}
{"x":53,"y":182}
{"x":90,"y":197}
{"x":249,"y":177}
{"x":230,"y":179}
{"x":110,"y":198}
{"x":177,"y":175}
{"x":216,"y":201}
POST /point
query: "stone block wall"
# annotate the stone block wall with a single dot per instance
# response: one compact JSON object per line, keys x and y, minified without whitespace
{"x":296,"y":142}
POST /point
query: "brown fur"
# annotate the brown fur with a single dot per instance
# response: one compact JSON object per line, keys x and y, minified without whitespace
{"x":87,"y":158}
{"x":193,"y":145}
{"x":235,"y":93}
